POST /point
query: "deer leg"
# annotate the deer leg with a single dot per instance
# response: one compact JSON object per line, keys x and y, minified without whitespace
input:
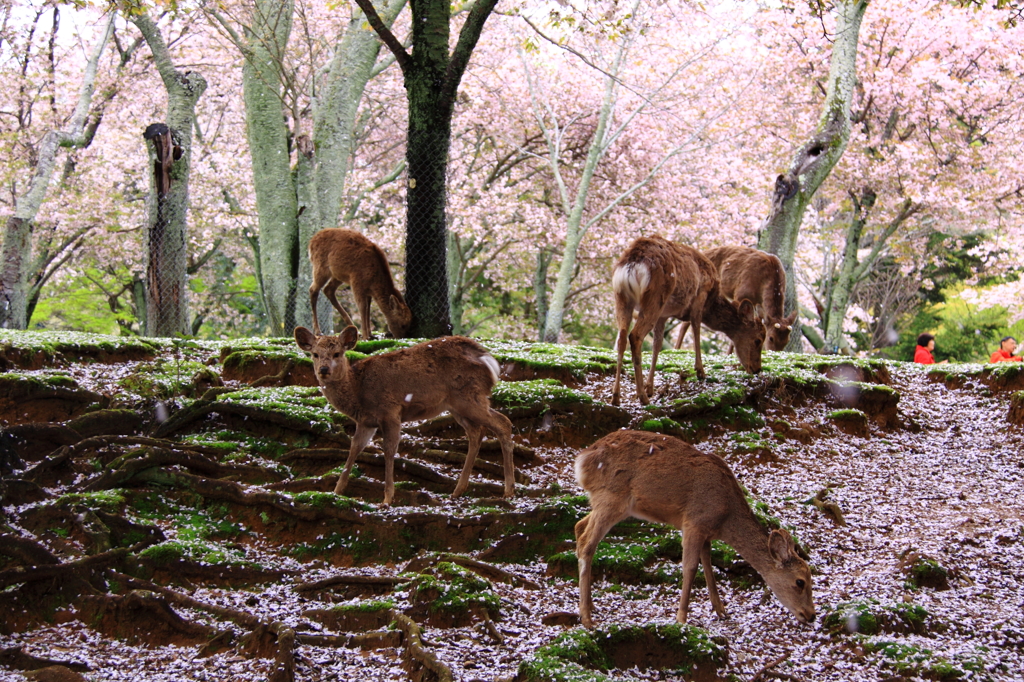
{"x":683,"y":327}
{"x":620,"y":346}
{"x":709,"y":578}
{"x":319,"y":280}
{"x":474,"y":434}
{"x":360,"y":439}
{"x":659,"y":337}
{"x":363,"y":304}
{"x":698,"y":363}
{"x":645,"y":322}
{"x":502,"y":428}
{"x":392,"y":433}
{"x":692,"y":546}
{"x":590,"y":530}
{"x":330,"y":291}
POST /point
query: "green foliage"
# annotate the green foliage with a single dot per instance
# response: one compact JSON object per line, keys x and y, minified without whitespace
{"x":172,"y":551}
{"x":322,"y":500}
{"x":107,"y":500}
{"x":164,"y":378}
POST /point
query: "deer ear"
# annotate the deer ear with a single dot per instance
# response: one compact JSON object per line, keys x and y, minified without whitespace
{"x":790,"y":319}
{"x":394,"y":303}
{"x":349,"y":336}
{"x":780,"y":546}
{"x":746,"y":308}
{"x":304,"y":338}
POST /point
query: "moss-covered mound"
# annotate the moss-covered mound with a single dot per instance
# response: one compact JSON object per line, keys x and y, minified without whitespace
{"x":570,"y":365}
{"x":1000,"y":376}
{"x":579,"y":655}
{"x":871,"y":617}
{"x":448,"y":595}
{"x":35,"y":350}
{"x":44,"y":398}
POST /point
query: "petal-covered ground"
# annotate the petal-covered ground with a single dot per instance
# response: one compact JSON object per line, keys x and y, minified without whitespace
{"x":162,"y":520}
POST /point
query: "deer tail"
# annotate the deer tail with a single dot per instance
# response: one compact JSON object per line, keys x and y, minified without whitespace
{"x":630,"y":280}
{"x":488,"y":361}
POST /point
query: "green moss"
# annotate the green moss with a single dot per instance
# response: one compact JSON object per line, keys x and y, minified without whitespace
{"x":322,"y":500}
{"x":870,"y":617}
{"x":75,"y":344}
{"x":536,"y":392}
{"x":453,"y":590}
{"x":372,"y":606}
{"x":242,"y":359}
{"x":577,"y":360}
{"x":302,"y":403}
{"x":580,"y":655}
{"x":163,"y":378}
{"x":913,"y":660}
{"x":107,"y":500}
{"x":176,"y":550}
{"x":841,"y":415}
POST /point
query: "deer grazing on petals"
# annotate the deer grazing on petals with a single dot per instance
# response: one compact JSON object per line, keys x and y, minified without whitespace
{"x":746,"y":273}
{"x":340,"y":256}
{"x":665,"y":480}
{"x":661,"y":279}
{"x":450,"y":373}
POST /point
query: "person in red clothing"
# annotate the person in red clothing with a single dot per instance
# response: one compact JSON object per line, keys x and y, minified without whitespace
{"x":1005,"y":352}
{"x":923,"y":352}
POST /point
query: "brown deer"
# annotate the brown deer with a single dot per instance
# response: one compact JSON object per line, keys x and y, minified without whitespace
{"x":746,"y":273}
{"x":342,"y":256}
{"x":451,"y":373}
{"x":662,"y":479}
{"x":662,"y":279}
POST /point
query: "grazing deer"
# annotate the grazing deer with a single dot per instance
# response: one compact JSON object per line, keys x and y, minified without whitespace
{"x":662,"y":279}
{"x":343,"y":256}
{"x":662,"y":479}
{"x":746,"y":273}
{"x":451,"y":373}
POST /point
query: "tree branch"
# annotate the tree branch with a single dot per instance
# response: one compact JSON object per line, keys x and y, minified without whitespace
{"x":386,"y":36}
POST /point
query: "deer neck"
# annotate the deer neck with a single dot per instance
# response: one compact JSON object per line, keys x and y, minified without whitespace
{"x":340,"y":391}
{"x":720,"y":314}
{"x":744,"y":533}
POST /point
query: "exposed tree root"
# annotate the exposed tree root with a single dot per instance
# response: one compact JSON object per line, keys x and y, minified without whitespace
{"x":28,"y":552}
{"x":284,"y":668}
{"x":79,"y":568}
{"x":485,"y":570}
{"x":275,"y":379}
{"x":246,"y":620}
{"x":367,"y":641}
{"x":421,"y":664}
{"x":15,"y":657}
{"x":377,"y":583}
{"x":141,"y":617}
{"x":125,"y":467}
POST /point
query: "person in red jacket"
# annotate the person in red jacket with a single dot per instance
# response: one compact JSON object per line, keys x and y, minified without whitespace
{"x":1005,"y":352}
{"x":923,"y":352}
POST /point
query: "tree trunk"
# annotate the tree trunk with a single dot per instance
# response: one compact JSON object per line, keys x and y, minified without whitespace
{"x":171,"y":158}
{"x":815,"y":159}
{"x":267,"y":131}
{"x":432,"y":78}
{"x":15,"y":254}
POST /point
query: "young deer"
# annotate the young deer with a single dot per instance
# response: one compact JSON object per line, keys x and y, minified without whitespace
{"x":343,"y":256}
{"x":451,"y":373}
{"x":662,"y":279}
{"x":665,"y":480}
{"x":746,"y":273}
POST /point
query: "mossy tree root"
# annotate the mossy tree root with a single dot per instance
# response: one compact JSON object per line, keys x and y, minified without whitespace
{"x":481,"y":568}
{"x":416,"y":655}
{"x":125,"y":468}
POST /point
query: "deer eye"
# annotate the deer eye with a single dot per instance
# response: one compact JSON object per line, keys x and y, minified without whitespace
{"x":337,"y":355}
{"x":800,"y":584}
{"x":315,"y":355}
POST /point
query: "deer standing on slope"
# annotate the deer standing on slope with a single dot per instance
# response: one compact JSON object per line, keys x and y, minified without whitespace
{"x":662,"y":479}
{"x":451,"y":373}
{"x":342,"y":256}
{"x":662,"y":279}
{"x":746,"y":273}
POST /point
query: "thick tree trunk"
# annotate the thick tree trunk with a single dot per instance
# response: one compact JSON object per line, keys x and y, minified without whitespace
{"x":167,"y":275}
{"x":15,"y":253}
{"x":267,"y":130}
{"x":816,"y":158}
{"x":432,"y":80}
